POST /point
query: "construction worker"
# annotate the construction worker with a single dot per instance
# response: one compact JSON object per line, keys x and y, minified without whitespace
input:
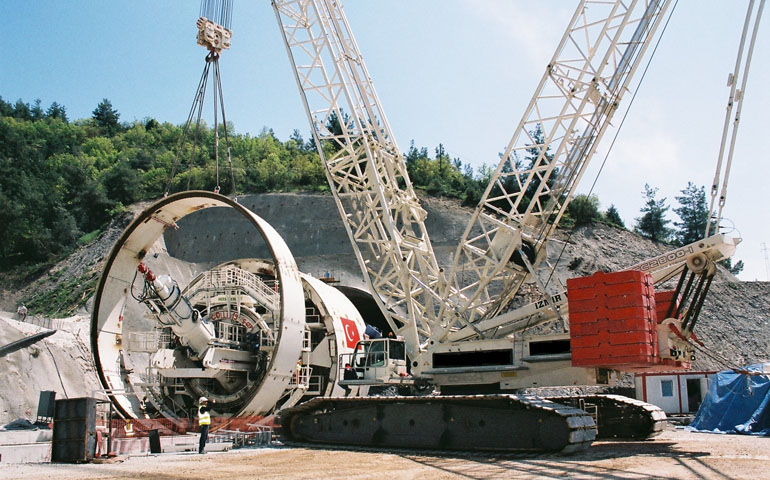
{"x":22,"y":312}
{"x":204,"y":420}
{"x":349,"y":374}
{"x":298,"y":373}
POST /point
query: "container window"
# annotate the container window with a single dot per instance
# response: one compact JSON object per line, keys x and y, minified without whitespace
{"x":667,"y":388}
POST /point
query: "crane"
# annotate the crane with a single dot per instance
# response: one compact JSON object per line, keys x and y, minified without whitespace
{"x":447,"y":321}
{"x":578,"y":93}
{"x":237,"y":331}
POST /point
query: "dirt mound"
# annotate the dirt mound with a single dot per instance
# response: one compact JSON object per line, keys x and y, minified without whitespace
{"x":61,"y":363}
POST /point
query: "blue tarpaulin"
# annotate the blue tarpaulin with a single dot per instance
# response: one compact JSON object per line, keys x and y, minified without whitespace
{"x":736,"y":403}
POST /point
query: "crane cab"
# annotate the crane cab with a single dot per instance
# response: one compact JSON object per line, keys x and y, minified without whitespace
{"x":376,"y":361}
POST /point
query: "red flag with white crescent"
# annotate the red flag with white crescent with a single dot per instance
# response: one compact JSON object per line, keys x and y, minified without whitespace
{"x":351,"y":332}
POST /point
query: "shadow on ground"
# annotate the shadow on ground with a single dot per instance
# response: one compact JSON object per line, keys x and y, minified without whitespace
{"x":604,"y":460}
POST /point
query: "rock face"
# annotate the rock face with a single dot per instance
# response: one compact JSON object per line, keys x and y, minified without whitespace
{"x":733,"y":325}
{"x":61,"y":363}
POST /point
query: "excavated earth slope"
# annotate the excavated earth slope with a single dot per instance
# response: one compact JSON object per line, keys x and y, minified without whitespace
{"x":733,"y":326}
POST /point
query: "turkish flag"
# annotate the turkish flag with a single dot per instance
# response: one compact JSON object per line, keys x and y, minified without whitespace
{"x":351,"y":332}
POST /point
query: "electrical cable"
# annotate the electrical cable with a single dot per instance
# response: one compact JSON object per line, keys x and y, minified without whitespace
{"x":58,"y":373}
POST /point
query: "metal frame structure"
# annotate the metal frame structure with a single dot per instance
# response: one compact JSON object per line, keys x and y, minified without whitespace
{"x":235,"y":302}
{"x":735,"y":100}
{"x":113,"y":292}
{"x":577,"y":96}
{"x":368,"y":174}
{"x":573,"y":104}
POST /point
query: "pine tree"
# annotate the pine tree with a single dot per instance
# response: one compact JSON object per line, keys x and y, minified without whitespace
{"x":613,"y":217}
{"x":297,"y":137}
{"x":57,"y":111}
{"x":6,"y":109}
{"x":36,"y":111}
{"x":584,"y":209}
{"x":21,"y":110}
{"x":653,"y":223}
{"x":693,"y":212}
{"x":106,"y":117}
{"x":734,"y":269}
{"x":533,"y":152}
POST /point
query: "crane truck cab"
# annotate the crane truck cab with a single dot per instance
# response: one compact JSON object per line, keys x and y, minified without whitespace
{"x":377,"y":362}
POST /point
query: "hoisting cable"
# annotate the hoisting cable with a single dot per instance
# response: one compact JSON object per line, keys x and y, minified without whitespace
{"x":197,"y":101}
{"x":736,"y":97}
{"x":614,"y":139}
{"x":214,"y":34}
{"x":216,"y":128}
{"x":202,"y":93}
{"x":617,"y":131}
{"x":218,"y":11}
{"x":718,"y":358}
{"x":218,"y":84}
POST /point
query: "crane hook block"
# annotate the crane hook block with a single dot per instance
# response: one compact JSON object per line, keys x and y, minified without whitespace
{"x":213,"y":36}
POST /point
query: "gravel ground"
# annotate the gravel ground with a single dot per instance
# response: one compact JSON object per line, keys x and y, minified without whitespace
{"x":674,"y":454}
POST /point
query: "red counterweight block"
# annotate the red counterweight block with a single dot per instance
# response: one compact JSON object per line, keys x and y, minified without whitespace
{"x":613,"y":320}
{"x":663,"y":303}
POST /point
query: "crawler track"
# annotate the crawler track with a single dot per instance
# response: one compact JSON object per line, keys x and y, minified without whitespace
{"x":508,"y":423}
{"x":618,"y":416}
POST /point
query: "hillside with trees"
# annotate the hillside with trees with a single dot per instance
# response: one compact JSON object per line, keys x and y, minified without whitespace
{"x":62,"y":181}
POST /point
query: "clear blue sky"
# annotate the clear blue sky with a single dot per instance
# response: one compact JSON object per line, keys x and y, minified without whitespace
{"x":459,"y":72}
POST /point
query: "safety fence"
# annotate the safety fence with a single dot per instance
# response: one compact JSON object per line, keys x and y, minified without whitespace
{"x":226,"y":426}
{"x":45,"y":322}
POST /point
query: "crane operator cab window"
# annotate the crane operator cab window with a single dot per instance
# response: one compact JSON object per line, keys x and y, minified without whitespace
{"x":379,"y":357}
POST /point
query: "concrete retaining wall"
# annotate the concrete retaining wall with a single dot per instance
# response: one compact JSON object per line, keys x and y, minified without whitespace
{"x":309,"y":224}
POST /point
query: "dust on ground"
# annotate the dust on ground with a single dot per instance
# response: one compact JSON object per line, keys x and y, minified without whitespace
{"x":674,"y":454}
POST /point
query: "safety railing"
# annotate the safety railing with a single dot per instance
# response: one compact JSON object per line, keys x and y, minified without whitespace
{"x":232,"y":277}
{"x":368,"y":366}
{"x":230,"y":332}
{"x":143,"y":341}
{"x":315,"y":385}
{"x":312,"y":316}
{"x":266,"y":338}
{"x":301,"y":377}
{"x":151,"y":341}
{"x":263,"y":436}
{"x":149,"y":378}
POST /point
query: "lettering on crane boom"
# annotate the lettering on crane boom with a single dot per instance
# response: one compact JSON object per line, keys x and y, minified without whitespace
{"x":544,"y":303}
{"x":667,"y":258}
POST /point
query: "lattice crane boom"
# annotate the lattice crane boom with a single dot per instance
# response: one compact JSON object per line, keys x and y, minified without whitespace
{"x":581,"y":88}
{"x":367,"y":172}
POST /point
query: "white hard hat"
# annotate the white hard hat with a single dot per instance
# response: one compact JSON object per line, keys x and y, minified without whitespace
{"x":203,"y":399}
